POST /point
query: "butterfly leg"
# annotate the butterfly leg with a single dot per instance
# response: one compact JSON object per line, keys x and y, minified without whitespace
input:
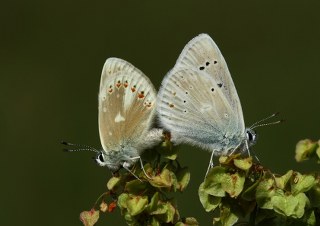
{"x":141,"y":164}
{"x":236,"y":148}
{"x":248,"y":150}
{"x":210,"y":164}
{"x":125,"y":166}
{"x":256,"y":157}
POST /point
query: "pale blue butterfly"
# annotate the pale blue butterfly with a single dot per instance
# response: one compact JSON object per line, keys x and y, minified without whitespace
{"x":198,"y":102}
{"x":127,"y":104}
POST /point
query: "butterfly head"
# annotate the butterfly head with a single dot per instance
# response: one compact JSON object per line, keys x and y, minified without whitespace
{"x":251,"y":136}
{"x":114,"y":159}
{"x":109,"y":159}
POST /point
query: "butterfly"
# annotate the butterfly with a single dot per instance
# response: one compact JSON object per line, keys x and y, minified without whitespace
{"x":198,"y":102}
{"x":127,"y":107}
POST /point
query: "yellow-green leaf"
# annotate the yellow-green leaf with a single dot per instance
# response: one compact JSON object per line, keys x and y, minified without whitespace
{"x":208,"y":202}
{"x":136,"y":204}
{"x":89,"y":218}
{"x":113,"y":182}
{"x":244,"y":164}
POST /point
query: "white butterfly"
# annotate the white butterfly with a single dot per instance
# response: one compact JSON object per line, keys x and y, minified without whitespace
{"x":198,"y":102}
{"x":127,"y":104}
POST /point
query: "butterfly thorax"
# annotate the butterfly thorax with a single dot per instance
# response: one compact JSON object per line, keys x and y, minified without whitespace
{"x":228,"y":143}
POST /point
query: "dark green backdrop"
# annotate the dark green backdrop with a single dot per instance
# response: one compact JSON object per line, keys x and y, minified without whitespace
{"x":52,"y":53}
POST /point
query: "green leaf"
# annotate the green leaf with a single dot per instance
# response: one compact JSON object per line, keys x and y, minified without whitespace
{"x":167,"y":151}
{"x":183,"y":178}
{"x":162,"y":180}
{"x":122,"y":200}
{"x":305,"y":149}
{"x":214,"y":180}
{"x":161,"y":209}
{"x":169,"y":216}
{"x":233,"y":184}
{"x":165,"y":212}
{"x":135,"y":187}
{"x":155,"y":222}
{"x":265,"y":191}
{"x":301,"y":183}
{"x":227,"y":217}
{"x":282,"y":181}
{"x":89,"y":218}
{"x":224,"y":159}
{"x":189,"y":221}
{"x":250,"y":193}
{"x":318,"y":151}
{"x":218,"y":181}
{"x":208,"y":202}
{"x":314,"y":195}
{"x":228,"y":160}
{"x":310,"y":218}
{"x":113,"y":182}
{"x":243,"y":164}
{"x":149,"y":171}
{"x":152,"y":206}
{"x":289,"y":205}
{"x":136,"y":204}
{"x":128,"y":217}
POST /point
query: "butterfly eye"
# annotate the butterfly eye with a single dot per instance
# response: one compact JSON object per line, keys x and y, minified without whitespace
{"x":251,"y":137}
{"x":100,"y":156}
{"x":100,"y":160}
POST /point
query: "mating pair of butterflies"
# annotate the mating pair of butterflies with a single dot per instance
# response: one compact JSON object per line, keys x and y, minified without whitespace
{"x":197,"y":103}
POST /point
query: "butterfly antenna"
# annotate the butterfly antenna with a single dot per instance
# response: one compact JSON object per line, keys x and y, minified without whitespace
{"x":267,"y":124}
{"x":78,"y":147}
{"x":259,"y":123}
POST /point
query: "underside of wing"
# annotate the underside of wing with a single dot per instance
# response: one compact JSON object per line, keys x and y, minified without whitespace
{"x":203,"y":55}
{"x":192,"y":106}
{"x":127,"y":101}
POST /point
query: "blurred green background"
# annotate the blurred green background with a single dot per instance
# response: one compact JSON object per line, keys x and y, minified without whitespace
{"x":52,"y":53}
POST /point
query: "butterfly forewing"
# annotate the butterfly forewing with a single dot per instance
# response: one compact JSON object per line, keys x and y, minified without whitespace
{"x":202,"y":54}
{"x":126,"y":105}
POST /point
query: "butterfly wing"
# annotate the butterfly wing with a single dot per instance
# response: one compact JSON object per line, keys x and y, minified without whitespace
{"x":126,"y":105}
{"x":198,"y":101}
{"x":202,"y":54}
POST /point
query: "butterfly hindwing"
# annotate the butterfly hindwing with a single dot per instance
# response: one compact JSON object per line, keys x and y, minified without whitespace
{"x":191,"y":105}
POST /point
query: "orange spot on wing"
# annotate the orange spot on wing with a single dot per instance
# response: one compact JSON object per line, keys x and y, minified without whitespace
{"x":125,"y":84}
{"x":133,"y":88}
{"x":110,"y":90}
{"x":118,"y":84}
{"x":141,"y":95}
